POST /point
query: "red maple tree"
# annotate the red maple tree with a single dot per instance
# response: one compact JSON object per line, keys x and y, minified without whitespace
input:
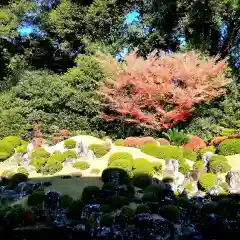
{"x":158,"y":92}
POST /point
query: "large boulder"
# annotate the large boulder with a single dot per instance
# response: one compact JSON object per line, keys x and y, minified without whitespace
{"x":233,"y":180}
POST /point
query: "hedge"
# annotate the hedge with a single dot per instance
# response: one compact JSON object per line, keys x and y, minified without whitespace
{"x":163,"y":152}
{"x":142,"y":180}
{"x":81,"y":165}
{"x":219,"y":166}
{"x":190,"y":154}
{"x":119,"y":142}
{"x":6,"y":150}
{"x":198,"y":165}
{"x":123,"y":164}
{"x":36,"y":198}
{"x":23,"y":171}
{"x":18,"y":178}
{"x":90,"y":193}
{"x":70,"y":143}
{"x":142,"y":209}
{"x":65,"y":201}
{"x":117,"y":202}
{"x":142,"y":165}
{"x":99,"y":149}
{"x":120,"y":155}
{"x":14,"y":141}
{"x":40,"y":152}
{"x":123,"y":175}
{"x":170,"y":212}
{"x":229,"y":147}
{"x":127,"y":212}
{"x":106,"y":220}
{"x":208,"y":181}
{"x":69,"y":154}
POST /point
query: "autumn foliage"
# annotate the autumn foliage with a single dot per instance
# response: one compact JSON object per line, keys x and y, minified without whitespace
{"x":138,"y":141}
{"x":195,"y":143}
{"x":158,"y":92}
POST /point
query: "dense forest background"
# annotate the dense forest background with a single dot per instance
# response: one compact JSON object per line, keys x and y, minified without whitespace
{"x":49,"y":74}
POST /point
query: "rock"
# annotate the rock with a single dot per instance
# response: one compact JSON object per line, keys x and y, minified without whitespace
{"x":179,"y":179}
{"x":233,"y":180}
{"x":194,"y":175}
{"x":206,"y":157}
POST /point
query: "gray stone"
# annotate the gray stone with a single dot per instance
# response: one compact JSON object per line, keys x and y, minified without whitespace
{"x":206,"y":157}
{"x":233,"y":180}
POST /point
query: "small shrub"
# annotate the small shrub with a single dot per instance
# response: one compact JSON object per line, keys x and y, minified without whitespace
{"x":189,"y":154}
{"x":75,"y":210}
{"x":217,"y":157}
{"x":208,"y":180}
{"x":170,"y":212}
{"x":36,"y":198}
{"x":219,"y":166}
{"x":120,"y":155}
{"x":138,"y":141}
{"x":95,"y":171}
{"x":142,"y":209}
{"x":123,"y":175}
{"x":6,"y":150}
{"x":22,"y":148}
{"x":65,"y":201}
{"x":81,"y":165}
{"x":229,"y":147}
{"x":7,"y":173}
{"x":106,"y":220}
{"x":207,"y":149}
{"x":69,"y":154}
{"x":99,"y":149}
{"x":17,"y":178}
{"x":184,"y":167}
{"x":157,"y":189}
{"x":157,"y":167}
{"x":119,"y":142}
{"x":4,"y":156}
{"x":23,"y":171}
{"x":183,"y":202}
{"x":142,"y":180}
{"x":217,"y":140}
{"x":188,"y":186}
{"x":224,"y":186}
{"x":142,"y":165}
{"x":117,"y":202}
{"x":176,"y":137}
{"x":127,"y":212}
{"x":40,"y":152}
{"x":149,"y":197}
{"x":163,"y":141}
{"x":51,"y":167}
{"x":150,"y":149}
{"x":90,"y":194}
{"x":70,"y":143}
{"x":106,"y":209}
{"x":14,"y":141}
{"x":123,"y":164}
{"x":195,"y":143}
{"x":198,"y":165}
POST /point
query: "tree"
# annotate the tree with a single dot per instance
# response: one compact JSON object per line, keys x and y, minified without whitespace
{"x":158,"y":92}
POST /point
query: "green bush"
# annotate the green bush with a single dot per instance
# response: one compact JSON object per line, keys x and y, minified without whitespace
{"x":7,"y":173}
{"x":198,"y":165}
{"x":40,"y":152}
{"x":106,"y":209}
{"x":14,"y":141}
{"x":142,"y":208}
{"x":120,"y":155}
{"x":36,"y":198}
{"x":95,"y":171}
{"x":51,"y":167}
{"x":75,"y":210}
{"x":106,"y":220}
{"x":117,"y":202}
{"x":207,"y":149}
{"x":149,"y":197}
{"x":4,"y":156}
{"x":217,"y":157}
{"x":90,"y":193}
{"x":127,"y":212}
{"x":157,"y":189}
{"x":224,"y":186}
{"x":142,"y":165}
{"x":70,"y":143}
{"x":142,"y":180}
{"x":170,"y":212}
{"x":229,"y":147}
{"x":65,"y":201}
{"x":69,"y":154}
{"x":183,"y":202}
{"x":123,"y":175}
{"x":99,"y":149}
{"x":188,"y":186}
{"x":184,"y":167}
{"x":190,"y":154}
{"x":6,"y":150}
{"x":167,"y":179}
{"x":18,"y":178}
{"x":208,"y":180}
{"x":81,"y":165}
{"x":163,"y":152}
{"x":219,"y":166}
{"x":23,"y":171}
{"x":39,"y":162}
{"x":22,"y":148}
{"x":119,"y":142}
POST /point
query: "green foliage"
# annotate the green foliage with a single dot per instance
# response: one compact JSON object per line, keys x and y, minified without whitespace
{"x":119,"y":155}
{"x":170,"y":212}
{"x":198,"y":165}
{"x":217,"y":157}
{"x":18,"y":178}
{"x":40,"y":152}
{"x":22,"y":148}
{"x":176,"y":137}
{"x":119,"y":142}
{"x":142,"y":180}
{"x":81,"y":165}
{"x":75,"y":210}
{"x":106,"y":209}
{"x":188,"y":186}
{"x":184,"y":167}
{"x":224,"y":185}
{"x":70,"y":143}
{"x":7,"y":173}
{"x":65,"y":201}
{"x":23,"y":171}
{"x":4,"y":156}
{"x":163,"y":152}
{"x":189,"y":154}
{"x":99,"y":149}
{"x":14,"y":141}
{"x":183,"y":202}
{"x":90,"y":193}
{"x":157,"y":167}
{"x":142,"y":208}
{"x":219,"y":166}
{"x":142,"y":165}
{"x":117,"y":202}
{"x":208,"y":180}
{"x":6,"y":150}
{"x":69,"y":154}
{"x":106,"y":220}
{"x":127,"y":212}
{"x":207,"y":149}
{"x":36,"y":198}
{"x":149,"y":197}
{"x":229,"y":147}
{"x":125,"y":164}
{"x":123,"y":175}
{"x":95,"y":171}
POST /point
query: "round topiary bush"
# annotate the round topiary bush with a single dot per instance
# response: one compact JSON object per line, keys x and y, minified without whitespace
{"x":117,"y":202}
{"x":106,"y":208}
{"x":65,"y":201}
{"x":142,"y":208}
{"x":14,"y":141}
{"x":183,"y":202}
{"x":217,"y":157}
{"x":22,"y":148}
{"x":158,"y":189}
{"x":150,"y":149}
{"x":170,"y":212}
{"x":198,"y":165}
{"x":120,"y":155}
{"x":127,"y":212}
{"x":195,"y":143}
{"x":219,"y":166}
{"x":51,"y":167}
{"x":70,"y":143}
{"x":208,"y":180}
{"x":142,"y":165}
{"x":207,"y":149}
{"x":6,"y":150}
{"x":40,"y":152}
{"x":7,"y":173}
{"x":229,"y":147}
{"x":23,"y":171}
{"x":123,"y":164}
{"x":69,"y":154}
{"x":90,"y":194}
{"x":188,"y":187}
{"x":4,"y":156}
{"x":99,"y":149}
{"x":36,"y":199}
{"x":95,"y":171}
{"x":119,"y":142}
{"x":184,"y":167}
{"x":149,"y":197}
{"x":157,"y":167}
{"x":190,"y":154}
{"x":142,"y":180}
{"x":106,"y":220}
{"x":121,"y":173}
{"x":81,"y":165}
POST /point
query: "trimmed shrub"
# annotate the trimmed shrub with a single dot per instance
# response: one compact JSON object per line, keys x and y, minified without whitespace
{"x":39,"y":162}
{"x":123,"y":164}
{"x":123,"y":175}
{"x":224,"y":186}
{"x":138,"y":141}
{"x":95,"y":171}
{"x":75,"y":210}
{"x":65,"y":201}
{"x":149,"y":197}
{"x":4,"y":156}
{"x":217,"y":157}
{"x":106,"y":209}
{"x":188,"y":186}
{"x":40,"y":152}
{"x":219,"y":166}
{"x":17,"y":178}
{"x":183,"y":202}
{"x":22,"y":148}
{"x":6,"y":150}
{"x":36,"y":198}
{"x":170,"y":212}
{"x":190,"y":154}
{"x":184,"y":167}
{"x":119,"y":142}
{"x":127,"y":212}
{"x":70,"y":143}
{"x":163,"y":141}
{"x":142,"y":180}
{"x":158,"y":189}
{"x":7,"y":173}
{"x":90,"y":194}
{"x":142,"y":165}
{"x":229,"y":147}
{"x":23,"y":171}
{"x":120,"y":155}
{"x":142,"y":208}
{"x":207,"y":149}
{"x":157,"y":167}
{"x":106,"y":220}
{"x":69,"y":154}
{"x":14,"y":141}
{"x":99,"y":149}
{"x":208,"y":180}
{"x":51,"y":167}
{"x":81,"y":165}
{"x":117,"y":202}
{"x":198,"y":165}
{"x":195,"y":143}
